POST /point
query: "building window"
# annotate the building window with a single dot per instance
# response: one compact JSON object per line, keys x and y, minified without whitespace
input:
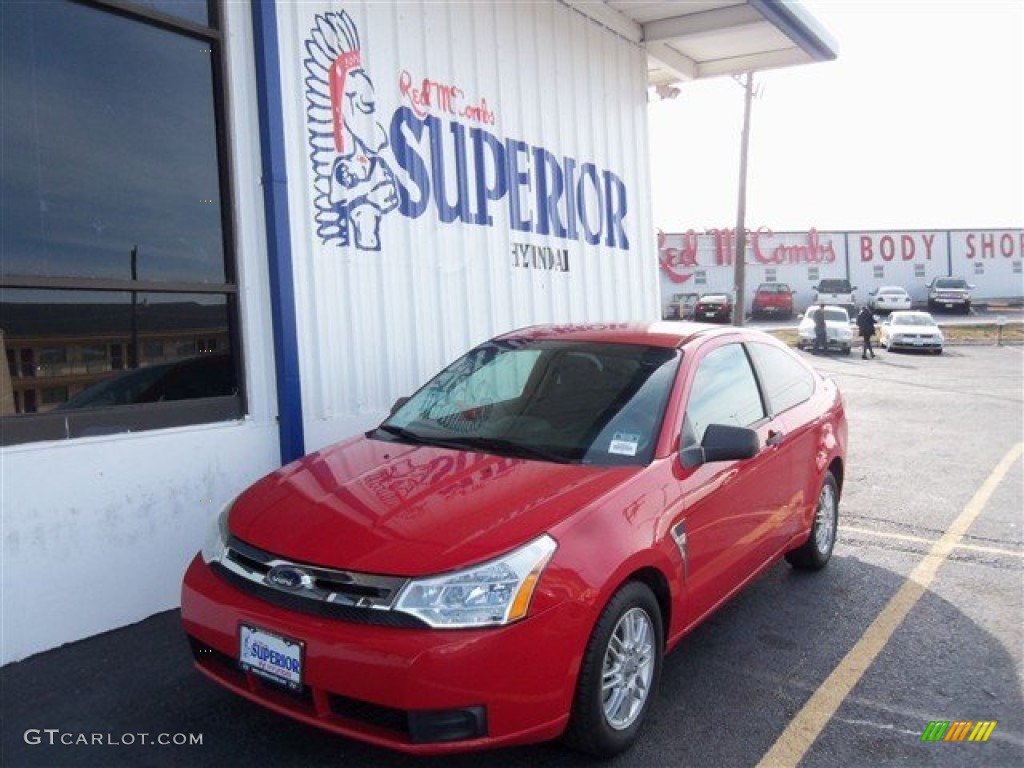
{"x":979,"y":268}
{"x":812,"y":274}
{"x":700,"y":277}
{"x":1018,"y":267}
{"x":879,"y":271}
{"x":116,"y":207}
{"x":919,"y":270}
{"x":770,"y":275}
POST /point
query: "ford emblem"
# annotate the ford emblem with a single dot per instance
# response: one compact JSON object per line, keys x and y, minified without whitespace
{"x":288,"y":577}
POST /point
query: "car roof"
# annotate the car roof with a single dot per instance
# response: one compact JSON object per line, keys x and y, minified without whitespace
{"x":665,"y":333}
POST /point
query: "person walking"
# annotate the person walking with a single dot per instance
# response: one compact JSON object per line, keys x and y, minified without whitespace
{"x":866,"y":326}
{"x":820,"y":331}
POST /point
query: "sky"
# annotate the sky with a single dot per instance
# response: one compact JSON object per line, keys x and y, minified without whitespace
{"x":919,"y":124}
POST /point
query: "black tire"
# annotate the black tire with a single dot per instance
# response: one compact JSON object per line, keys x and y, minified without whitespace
{"x":632,"y":623}
{"x":814,"y":554}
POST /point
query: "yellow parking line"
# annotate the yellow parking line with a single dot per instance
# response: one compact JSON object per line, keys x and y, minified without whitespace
{"x":809,"y":722}
{"x":922,"y":540}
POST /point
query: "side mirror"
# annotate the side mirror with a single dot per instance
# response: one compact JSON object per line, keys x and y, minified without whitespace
{"x":398,"y":404}
{"x":721,"y":443}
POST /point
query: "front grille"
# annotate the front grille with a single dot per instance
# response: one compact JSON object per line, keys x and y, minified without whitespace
{"x":356,"y":597}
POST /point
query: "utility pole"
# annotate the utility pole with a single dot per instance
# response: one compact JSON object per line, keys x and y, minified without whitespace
{"x":739,"y":265}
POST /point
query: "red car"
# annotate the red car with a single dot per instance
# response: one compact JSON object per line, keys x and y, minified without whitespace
{"x":508,"y":556}
{"x":713,"y":308}
{"x":772,"y":300}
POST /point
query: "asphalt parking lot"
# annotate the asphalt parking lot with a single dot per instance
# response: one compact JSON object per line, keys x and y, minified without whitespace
{"x":919,"y":617}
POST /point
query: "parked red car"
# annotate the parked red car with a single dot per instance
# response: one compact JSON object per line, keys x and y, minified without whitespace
{"x":772,"y":300}
{"x":507,"y":557}
{"x":713,"y":308}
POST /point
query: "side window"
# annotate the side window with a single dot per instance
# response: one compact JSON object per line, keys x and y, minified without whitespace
{"x":786,"y":381}
{"x":724,"y":391}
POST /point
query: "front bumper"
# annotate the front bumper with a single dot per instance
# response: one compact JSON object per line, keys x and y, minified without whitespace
{"x":771,"y":310}
{"x":949,"y":301}
{"x":833,"y":343}
{"x":915,"y":343}
{"x":713,"y":316}
{"x":415,"y":690}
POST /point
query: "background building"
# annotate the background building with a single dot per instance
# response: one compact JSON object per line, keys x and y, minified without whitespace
{"x":992,"y":260}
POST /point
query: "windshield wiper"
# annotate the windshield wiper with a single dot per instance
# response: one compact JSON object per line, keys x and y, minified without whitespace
{"x":477,"y":443}
{"x":405,"y":434}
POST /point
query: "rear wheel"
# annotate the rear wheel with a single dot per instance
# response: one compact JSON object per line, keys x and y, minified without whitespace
{"x":814,"y":554}
{"x":619,"y":675}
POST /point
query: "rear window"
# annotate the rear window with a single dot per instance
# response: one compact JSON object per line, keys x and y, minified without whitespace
{"x":773,"y":288}
{"x":951,"y":282}
{"x":834,"y":286}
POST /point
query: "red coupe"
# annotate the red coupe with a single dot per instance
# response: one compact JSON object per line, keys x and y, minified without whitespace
{"x":507,"y":557}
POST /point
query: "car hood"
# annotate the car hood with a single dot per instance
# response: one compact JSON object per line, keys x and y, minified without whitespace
{"x":831,"y":325}
{"x":899,"y":328}
{"x":389,"y":508}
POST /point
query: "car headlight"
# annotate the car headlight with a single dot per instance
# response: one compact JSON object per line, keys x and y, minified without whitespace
{"x":491,"y":594}
{"x":216,"y":545}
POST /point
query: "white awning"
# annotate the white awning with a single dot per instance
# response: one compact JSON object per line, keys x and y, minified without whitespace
{"x":694,"y":39}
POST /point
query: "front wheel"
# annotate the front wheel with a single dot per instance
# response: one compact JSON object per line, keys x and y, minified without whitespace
{"x":814,"y":554}
{"x":619,"y":674}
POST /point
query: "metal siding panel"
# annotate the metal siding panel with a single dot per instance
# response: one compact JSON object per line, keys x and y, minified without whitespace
{"x":372,"y":325}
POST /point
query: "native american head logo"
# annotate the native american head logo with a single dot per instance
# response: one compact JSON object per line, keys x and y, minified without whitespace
{"x":354,"y":184}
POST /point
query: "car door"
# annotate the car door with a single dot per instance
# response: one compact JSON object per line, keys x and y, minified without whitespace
{"x":729,"y":510}
{"x":788,"y":386}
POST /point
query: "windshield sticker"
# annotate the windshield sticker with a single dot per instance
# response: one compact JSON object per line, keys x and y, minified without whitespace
{"x":624,"y":444}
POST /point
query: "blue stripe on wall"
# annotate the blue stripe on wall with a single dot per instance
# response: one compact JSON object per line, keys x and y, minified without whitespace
{"x":279,"y":255}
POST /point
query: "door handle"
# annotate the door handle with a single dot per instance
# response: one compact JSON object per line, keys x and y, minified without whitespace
{"x":774,"y":438}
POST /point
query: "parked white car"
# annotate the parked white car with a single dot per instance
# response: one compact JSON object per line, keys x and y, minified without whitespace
{"x":911,"y":330}
{"x":837,"y":326}
{"x":889,"y":298}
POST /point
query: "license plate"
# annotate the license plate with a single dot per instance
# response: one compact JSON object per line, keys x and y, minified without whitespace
{"x":271,"y":656}
{"x":918,"y":342}
{"x":948,"y":305}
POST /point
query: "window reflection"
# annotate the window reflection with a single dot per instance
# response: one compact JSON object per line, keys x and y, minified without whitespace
{"x":61,"y":344}
{"x":197,"y":11}
{"x":109,"y":146}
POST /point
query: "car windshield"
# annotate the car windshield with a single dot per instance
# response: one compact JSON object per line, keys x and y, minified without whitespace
{"x":951,"y":283}
{"x":580,"y":402}
{"x":714,"y":298}
{"x":922,"y":318}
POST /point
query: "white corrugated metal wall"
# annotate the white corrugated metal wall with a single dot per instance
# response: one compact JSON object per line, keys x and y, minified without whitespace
{"x":374,"y":324}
